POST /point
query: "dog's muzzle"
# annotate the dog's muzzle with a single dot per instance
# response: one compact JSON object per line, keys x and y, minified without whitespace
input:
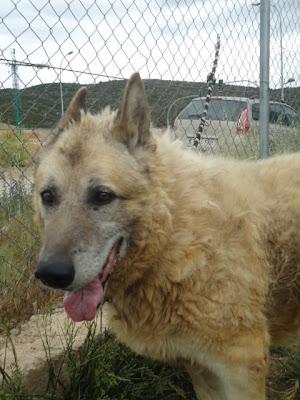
{"x":57,"y":272}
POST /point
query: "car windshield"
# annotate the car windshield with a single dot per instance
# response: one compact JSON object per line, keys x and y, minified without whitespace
{"x":219,"y":109}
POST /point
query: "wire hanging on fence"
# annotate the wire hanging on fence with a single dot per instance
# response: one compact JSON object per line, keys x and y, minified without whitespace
{"x":210,"y":82}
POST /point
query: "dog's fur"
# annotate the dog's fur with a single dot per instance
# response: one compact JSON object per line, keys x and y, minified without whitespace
{"x":210,"y":262}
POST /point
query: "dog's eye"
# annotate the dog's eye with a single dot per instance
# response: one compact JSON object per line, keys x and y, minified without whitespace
{"x":48,"y":198}
{"x":100,"y":197}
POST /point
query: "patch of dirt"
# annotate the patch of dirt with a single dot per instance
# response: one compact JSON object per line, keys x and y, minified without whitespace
{"x":25,"y":348}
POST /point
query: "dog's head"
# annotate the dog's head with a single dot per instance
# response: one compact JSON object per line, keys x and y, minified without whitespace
{"x":91,"y":184}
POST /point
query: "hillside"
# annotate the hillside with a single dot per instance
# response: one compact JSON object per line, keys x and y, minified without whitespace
{"x":41,"y":106}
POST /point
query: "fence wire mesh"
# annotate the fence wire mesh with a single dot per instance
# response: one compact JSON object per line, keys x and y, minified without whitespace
{"x":50,"y":48}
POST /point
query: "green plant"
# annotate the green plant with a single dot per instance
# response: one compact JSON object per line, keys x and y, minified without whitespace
{"x":105,"y":369}
{"x":15,"y":151}
{"x":21,"y":294}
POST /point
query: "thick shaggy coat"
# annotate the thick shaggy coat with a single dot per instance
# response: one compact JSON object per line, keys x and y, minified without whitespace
{"x":203,"y":252}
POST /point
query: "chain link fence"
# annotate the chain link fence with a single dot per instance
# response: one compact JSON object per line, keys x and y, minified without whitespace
{"x":49,"y":48}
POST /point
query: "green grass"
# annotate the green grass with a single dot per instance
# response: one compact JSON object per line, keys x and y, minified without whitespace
{"x":105,"y":369}
{"x":21,"y":295}
{"x":285,"y":144}
{"x":14,"y":202}
{"x":15,"y":150}
{"x":247,"y":146}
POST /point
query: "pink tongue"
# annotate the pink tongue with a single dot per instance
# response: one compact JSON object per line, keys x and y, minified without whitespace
{"x":82,"y":305}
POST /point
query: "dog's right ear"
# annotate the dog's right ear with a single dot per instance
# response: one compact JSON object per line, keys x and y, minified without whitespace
{"x":73,"y":112}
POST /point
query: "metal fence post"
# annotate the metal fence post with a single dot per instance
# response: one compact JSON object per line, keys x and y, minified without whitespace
{"x":264,"y":107}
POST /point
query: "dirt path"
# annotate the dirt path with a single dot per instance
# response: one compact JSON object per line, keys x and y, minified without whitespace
{"x":25,"y":349}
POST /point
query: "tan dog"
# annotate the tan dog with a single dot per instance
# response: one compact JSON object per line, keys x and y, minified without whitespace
{"x":200,"y":256}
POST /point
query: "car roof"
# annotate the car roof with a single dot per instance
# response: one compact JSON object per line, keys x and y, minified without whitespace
{"x":223,"y":98}
{"x":280,"y":103}
{"x":252,"y":100}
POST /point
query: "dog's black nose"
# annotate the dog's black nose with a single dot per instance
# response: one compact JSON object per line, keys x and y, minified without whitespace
{"x":57,"y":272}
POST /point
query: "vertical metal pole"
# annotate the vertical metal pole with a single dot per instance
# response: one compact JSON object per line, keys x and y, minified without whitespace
{"x":61,"y":87}
{"x":60,"y":82}
{"x":264,"y":107}
{"x":16,"y":90}
{"x":61,"y":94}
{"x":281,"y":58}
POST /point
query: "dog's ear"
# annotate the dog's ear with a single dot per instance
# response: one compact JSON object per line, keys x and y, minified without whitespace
{"x":73,"y":112}
{"x":132,"y":123}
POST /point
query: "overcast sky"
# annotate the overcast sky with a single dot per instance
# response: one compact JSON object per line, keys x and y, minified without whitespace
{"x":166,"y":39}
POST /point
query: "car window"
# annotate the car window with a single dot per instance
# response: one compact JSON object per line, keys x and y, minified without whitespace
{"x":219,"y":109}
{"x":292,"y":117}
{"x":255,"y":112}
{"x":277,"y":115}
{"x":280,"y":114}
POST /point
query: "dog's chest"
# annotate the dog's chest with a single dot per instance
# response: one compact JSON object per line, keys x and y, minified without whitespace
{"x":174,"y":349}
{"x":145,"y":340}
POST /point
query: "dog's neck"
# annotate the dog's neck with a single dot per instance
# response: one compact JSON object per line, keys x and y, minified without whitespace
{"x":154,"y":262}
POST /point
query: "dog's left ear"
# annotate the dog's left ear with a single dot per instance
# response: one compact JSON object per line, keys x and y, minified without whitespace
{"x":73,"y":112}
{"x":132,"y":123}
